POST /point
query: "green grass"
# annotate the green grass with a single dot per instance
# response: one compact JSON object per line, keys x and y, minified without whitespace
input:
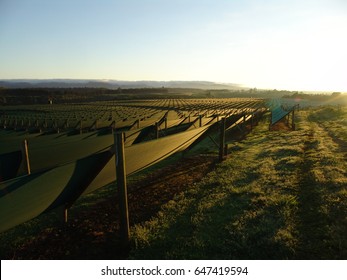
{"x":279,"y":195}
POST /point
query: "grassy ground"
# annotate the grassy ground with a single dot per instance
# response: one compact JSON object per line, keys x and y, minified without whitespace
{"x":279,"y":195}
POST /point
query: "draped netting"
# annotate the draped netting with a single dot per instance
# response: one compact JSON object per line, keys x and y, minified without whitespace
{"x":26,"y":197}
{"x":66,"y":165}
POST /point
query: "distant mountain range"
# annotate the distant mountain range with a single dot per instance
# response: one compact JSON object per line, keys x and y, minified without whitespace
{"x":113,"y":84}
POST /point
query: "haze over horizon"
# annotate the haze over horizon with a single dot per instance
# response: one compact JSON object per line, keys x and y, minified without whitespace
{"x":293,"y":45}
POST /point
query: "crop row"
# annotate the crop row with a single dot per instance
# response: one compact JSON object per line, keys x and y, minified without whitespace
{"x":64,"y":166}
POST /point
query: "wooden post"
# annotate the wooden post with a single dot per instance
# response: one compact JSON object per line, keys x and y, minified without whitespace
{"x":138,"y":123}
{"x":62,"y":212}
{"x":200,"y":121}
{"x":122,"y":188}
{"x":222,"y":140}
{"x":65,"y":214}
{"x":26,"y":156}
{"x":165,"y":122}
{"x":113,"y":126}
{"x":270,"y":120}
{"x":80,"y":126}
{"x":156,"y":130}
{"x":293,"y":122}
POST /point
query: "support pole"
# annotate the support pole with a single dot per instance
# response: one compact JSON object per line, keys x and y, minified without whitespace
{"x":80,"y":126}
{"x":122,"y":189}
{"x":65,"y":214}
{"x":270,"y":126}
{"x":222,"y":140}
{"x":252,"y":117}
{"x":200,"y":121}
{"x":25,"y":152}
{"x":113,"y":126}
{"x":156,"y":130}
{"x":62,"y":212}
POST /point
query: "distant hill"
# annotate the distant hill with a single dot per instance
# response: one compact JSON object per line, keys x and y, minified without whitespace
{"x":113,"y":84}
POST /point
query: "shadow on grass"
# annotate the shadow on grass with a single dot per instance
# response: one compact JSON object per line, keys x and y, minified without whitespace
{"x":319,"y":238}
{"x":223,"y":222}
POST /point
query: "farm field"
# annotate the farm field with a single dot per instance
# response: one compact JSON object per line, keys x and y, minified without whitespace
{"x":80,"y":130}
{"x":278,"y":195}
{"x":46,"y":164}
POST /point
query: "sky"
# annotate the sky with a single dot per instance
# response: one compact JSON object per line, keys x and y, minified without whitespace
{"x":275,"y":44}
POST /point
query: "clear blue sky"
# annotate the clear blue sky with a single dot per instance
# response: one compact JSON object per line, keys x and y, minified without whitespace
{"x":291,"y":44}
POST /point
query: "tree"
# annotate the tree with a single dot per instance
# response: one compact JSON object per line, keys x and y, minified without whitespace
{"x":336,"y":94}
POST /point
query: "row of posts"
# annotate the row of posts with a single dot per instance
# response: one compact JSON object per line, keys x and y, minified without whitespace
{"x":79,"y":125}
{"x":157,"y":126}
{"x":121,"y":182}
{"x":94,"y":126}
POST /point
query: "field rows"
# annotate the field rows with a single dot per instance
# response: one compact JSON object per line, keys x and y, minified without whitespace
{"x":117,"y":114}
{"x":78,"y":164}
